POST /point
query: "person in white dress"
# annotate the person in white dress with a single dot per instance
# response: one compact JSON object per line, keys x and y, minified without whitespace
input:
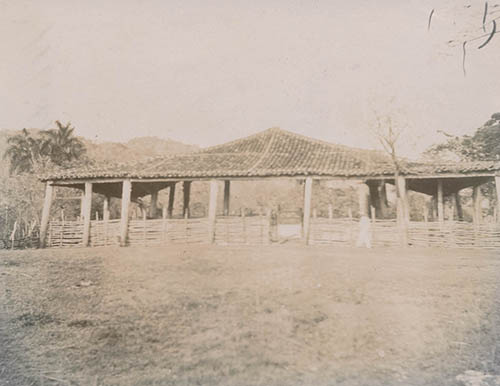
{"x":365,"y":234}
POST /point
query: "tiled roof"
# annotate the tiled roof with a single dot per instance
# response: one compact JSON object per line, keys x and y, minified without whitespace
{"x":271,"y":153}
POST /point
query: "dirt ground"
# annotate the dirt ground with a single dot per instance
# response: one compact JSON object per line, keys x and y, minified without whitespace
{"x":274,"y":315}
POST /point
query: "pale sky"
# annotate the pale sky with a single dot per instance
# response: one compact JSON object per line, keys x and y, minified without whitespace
{"x":205,"y":72}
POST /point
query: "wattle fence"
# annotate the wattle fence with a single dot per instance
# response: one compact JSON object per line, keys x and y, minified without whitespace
{"x":228,"y":230}
{"x":255,"y":230}
{"x":387,"y":233}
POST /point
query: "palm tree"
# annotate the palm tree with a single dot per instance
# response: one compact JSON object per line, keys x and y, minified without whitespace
{"x":26,"y":153}
{"x":61,"y":145}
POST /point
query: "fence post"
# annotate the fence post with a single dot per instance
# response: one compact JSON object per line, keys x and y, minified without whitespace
{"x":244,"y":225}
{"x":49,"y":191}
{"x":87,"y":214}
{"x":13,"y":235}
{"x":268,"y":226}
{"x":307,"y":207}
{"x":144,"y":226}
{"x":164,"y":223}
{"x":212,"y":210}
{"x":126,"y":193}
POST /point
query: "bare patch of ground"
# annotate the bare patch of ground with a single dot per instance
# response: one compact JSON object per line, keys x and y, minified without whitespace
{"x":275,"y":315}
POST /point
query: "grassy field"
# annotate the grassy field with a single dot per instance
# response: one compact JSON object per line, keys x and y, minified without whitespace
{"x":274,"y":315}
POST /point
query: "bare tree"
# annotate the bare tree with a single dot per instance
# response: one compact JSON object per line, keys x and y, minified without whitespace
{"x":388,"y":135}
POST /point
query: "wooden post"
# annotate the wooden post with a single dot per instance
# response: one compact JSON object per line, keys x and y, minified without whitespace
{"x":267,"y":239}
{"x":13,"y":235}
{"x":476,"y":199}
{"x":153,"y":207}
{"x":382,"y":196}
{"x":105,"y":208}
{"x":497,"y":187}
{"x":458,"y":206}
{"x":451,"y":212}
{"x":126,"y":195}
{"x":186,"y":190}
{"x":227,"y":190}
{"x":330,"y":211}
{"x":378,"y":198}
{"x":171,"y":197}
{"x":105,"y":217}
{"x":164,"y":214}
{"x":244,"y":225}
{"x":373,"y":213}
{"x":87,"y":205}
{"x":440,"y":200}
{"x":405,"y":210}
{"x":144,"y":227}
{"x":307,"y":207}
{"x":82,"y":205}
{"x":364,"y":200}
{"x":212,"y":210}
{"x":433,"y":207}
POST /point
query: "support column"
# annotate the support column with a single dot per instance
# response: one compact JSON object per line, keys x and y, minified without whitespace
{"x":434,"y":207}
{"x":153,"y":207}
{"x":440,"y":200}
{"x":403,"y":211}
{"x":49,"y":192}
{"x":364,"y":200}
{"x":126,"y":195}
{"x":382,"y":195}
{"x":227,"y":189}
{"x":403,"y":198}
{"x":87,"y":213}
{"x":212,"y":210}
{"x":458,"y":206}
{"x":171,"y":197}
{"x":82,"y":205}
{"x":307,"y":208}
{"x":497,"y":187}
{"x":378,"y":198}
{"x":105,"y":208}
{"x":186,"y":188}
{"x":476,"y":201}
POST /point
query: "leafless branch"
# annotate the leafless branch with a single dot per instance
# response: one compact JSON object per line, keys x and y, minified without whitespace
{"x":485,"y":14}
{"x":493,"y":32}
{"x":430,"y":19}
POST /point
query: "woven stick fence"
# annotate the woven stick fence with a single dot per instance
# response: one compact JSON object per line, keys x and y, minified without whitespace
{"x":256,"y":230}
{"x":385,"y":233}
{"x":228,"y":230}
{"x":242,"y":230}
{"x":65,"y":234}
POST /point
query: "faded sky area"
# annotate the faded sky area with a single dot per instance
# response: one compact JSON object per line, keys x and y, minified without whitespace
{"x":205,"y":72}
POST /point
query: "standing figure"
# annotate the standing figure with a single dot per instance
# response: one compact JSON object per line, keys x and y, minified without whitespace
{"x":365,"y":234}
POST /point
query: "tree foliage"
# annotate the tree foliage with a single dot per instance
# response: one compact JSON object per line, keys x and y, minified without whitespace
{"x":25,"y":153}
{"x":30,"y":153}
{"x":61,"y":145}
{"x":483,"y":145}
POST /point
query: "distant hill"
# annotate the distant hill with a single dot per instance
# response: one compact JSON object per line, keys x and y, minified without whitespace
{"x":115,"y":152}
{"x":134,"y":150}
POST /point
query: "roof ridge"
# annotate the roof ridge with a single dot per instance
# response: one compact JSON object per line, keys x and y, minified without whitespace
{"x":274,"y":131}
{"x":251,"y":136}
{"x":330,"y":144}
